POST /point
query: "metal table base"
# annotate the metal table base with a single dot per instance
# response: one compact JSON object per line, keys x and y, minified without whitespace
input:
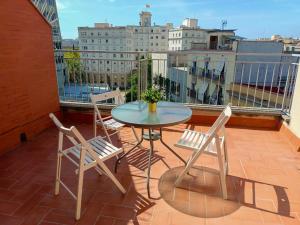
{"x":150,"y":136}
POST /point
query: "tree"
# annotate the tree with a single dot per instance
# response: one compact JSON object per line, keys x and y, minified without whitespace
{"x":131,"y":94}
{"x":75,"y":68}
{"x":163,"y":84}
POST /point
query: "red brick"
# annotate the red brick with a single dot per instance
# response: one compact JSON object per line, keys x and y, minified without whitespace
{"x":28,"y":76}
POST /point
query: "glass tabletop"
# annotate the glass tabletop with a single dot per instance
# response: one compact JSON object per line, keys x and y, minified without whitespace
{"x":136,"y":114}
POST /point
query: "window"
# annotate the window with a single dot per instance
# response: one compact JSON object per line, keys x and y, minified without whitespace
{"x":156,"y":37}
{"x":83,"y":41}
{"x":151,"y":37}
{"x":151,"y":30}
{"x":99,"y":34}
{"x":92,"y":34}
{"x":121,"y":55}
{"x":106,"y":41}
{"x":163,"y":30}
{"x":156,"y":44}
{"x":162,"y":37}
{"x":114,"y":55}
{"x":83,"y":33}
{"x":85,"y":48}
{"x":136,"y":30}
{"x":92,"y":40}
{"x":107,"y":62}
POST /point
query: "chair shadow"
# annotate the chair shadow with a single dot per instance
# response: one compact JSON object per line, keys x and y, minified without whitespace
{"x":139,"y":158}
{"x":140,"y":204}
{"x":205,"y":196}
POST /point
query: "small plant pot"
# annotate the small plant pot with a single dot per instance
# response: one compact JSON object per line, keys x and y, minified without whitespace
{"x":152,"y":107}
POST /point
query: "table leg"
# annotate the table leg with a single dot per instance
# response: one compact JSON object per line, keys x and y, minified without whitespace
{"x":149,"y":162}
{"x":168,"y":147}
{"x":126,"y":153}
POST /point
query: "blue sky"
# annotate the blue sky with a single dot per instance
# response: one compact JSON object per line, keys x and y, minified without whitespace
{"x":251,"y":18}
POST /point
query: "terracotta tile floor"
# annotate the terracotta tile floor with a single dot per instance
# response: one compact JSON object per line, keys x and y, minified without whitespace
{"x":263,"y":184}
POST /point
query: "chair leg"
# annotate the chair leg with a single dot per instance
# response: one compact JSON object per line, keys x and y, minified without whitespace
{"x":185,"y":171}
{"x":107,"y":135}
{"x":79,"y":193}
{"x":112,"y":177}
{"x":222,"y":171}
{"x":226,"y":157}
{"x":95,"y":125}
{"x":58,"y":173}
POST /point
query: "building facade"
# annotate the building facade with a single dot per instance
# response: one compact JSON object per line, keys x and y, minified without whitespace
{"x":190,"y":36}
{"x":49,"y":10}
{"x":117,"y":49}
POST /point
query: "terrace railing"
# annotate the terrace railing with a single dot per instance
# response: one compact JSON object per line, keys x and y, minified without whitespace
{"x":211,"y":78}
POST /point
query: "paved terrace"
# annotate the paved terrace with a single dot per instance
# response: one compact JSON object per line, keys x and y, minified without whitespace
{"x":263,"y":184}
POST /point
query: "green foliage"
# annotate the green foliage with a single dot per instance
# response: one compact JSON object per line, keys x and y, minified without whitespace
{"x":75,"y":68}
{"x":149,"y":73}
{"x":163,"y":84}
{"x":151,"y":95}
{"x":131,"y":94}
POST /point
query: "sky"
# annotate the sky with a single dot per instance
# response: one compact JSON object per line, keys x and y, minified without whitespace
{"x":252,"y":18}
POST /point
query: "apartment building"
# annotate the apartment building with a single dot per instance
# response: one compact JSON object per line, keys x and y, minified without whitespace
{"x":189,"y":35}
{"x":49,"y":10}
{"x":120,"y":47}
{"x":254,"y":70}
{"x":291,"y":45}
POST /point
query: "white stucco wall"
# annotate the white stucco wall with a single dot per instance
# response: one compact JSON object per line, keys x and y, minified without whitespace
{"x":294,"y":124}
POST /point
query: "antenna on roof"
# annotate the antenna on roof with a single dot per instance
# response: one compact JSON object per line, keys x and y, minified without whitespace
{"x":224,"y":24}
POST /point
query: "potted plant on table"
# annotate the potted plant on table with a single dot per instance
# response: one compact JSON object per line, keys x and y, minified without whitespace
{"x":151,"y":96}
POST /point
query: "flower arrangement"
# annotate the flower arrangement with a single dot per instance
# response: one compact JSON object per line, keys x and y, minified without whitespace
{"x":152,"y":96}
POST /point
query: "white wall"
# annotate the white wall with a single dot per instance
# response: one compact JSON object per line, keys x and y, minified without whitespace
{"x":294,"y":124}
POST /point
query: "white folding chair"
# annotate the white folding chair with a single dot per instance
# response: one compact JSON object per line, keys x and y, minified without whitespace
{"x":84,"y":155}
{"x":108,"y":123}
{"x":213,"y":143}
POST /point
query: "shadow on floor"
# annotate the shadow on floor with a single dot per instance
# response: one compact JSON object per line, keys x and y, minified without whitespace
{"x":200,"y":194}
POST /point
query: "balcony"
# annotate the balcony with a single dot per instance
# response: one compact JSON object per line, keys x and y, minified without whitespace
{"x":263,"y":183}
{"x":263,"y":135}
{"x":263,"y":176}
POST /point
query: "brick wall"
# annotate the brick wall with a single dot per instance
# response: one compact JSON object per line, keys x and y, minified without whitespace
{"x":28,"y":87}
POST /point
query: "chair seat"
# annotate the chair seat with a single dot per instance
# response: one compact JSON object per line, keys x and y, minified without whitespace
{"x":111,"y":124}
{"x":102,"y":148}
{"x":192,"y":140}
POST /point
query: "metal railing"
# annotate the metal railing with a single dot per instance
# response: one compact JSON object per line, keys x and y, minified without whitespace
{"x":256,"y":81}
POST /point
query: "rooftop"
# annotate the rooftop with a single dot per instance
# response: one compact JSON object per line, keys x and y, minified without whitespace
{"x":263,"y":184}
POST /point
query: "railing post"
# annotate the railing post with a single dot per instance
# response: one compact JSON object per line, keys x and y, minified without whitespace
{"x":139,"y":78}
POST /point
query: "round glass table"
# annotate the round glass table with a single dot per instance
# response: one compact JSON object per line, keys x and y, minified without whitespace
{"x":136,"y":114}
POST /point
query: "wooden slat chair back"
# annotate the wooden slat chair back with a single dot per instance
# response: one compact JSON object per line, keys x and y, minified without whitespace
{"x":105,"y":122}
{"x":211,"y":143}
{"x":108,"y":123}
{"x":84,"y":155}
